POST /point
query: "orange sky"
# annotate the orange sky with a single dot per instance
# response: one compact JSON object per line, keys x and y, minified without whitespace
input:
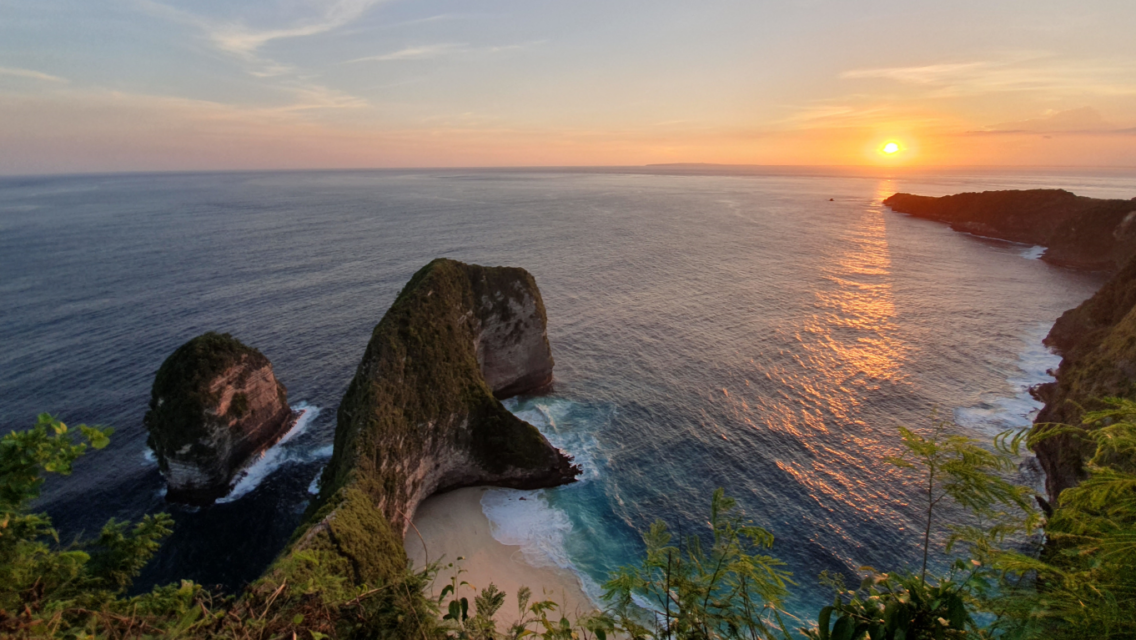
{"x":204,"y":85}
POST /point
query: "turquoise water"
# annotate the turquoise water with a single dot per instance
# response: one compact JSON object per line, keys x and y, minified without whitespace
{"x":736,"y":331}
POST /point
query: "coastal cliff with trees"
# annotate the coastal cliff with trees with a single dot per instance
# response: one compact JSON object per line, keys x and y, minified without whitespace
{"x":423,"y":414}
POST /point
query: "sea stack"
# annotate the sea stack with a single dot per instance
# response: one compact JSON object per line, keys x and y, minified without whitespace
{"x":215,"y":405}
{"x":423,"y":413}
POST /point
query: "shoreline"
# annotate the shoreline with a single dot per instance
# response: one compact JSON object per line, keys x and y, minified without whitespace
{"x":453,"y":525}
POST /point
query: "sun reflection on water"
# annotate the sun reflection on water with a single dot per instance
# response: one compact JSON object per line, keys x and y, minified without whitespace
{"x":813,"y":397}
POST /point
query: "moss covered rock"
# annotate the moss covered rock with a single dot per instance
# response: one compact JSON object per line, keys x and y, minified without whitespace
{"x":423,"y":415}
{"x":215,"y":404}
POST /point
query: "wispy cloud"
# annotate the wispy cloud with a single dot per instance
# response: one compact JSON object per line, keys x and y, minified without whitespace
{"x":244,"y":42}
{"x":424,"y":52}
{"x":1084,"y":120}
{"x":848,"y":114}
{"x":28,"y":73}
{"x":928,"y":74}
{"x":240,"y":38}
{"x":414,"y":53}
{"x":1023,"y":72}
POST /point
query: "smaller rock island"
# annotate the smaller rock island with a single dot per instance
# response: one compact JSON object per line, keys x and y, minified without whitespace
{"x":215,"y":404}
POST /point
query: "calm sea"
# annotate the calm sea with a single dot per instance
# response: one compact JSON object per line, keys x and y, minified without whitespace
{"x":765,"y":333}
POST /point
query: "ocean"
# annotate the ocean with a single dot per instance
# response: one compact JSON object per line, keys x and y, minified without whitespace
{"x":761,"y":331}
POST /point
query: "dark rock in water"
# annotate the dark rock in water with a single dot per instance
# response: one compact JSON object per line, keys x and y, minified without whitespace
{"x":1079,"y":232}
{"x":1097,"y":342}
{"x":422,"y":414}
{"x":215,"y":404}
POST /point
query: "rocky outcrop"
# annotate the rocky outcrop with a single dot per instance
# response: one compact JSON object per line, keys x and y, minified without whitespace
{"x":423,"y":413}
{"x":1079,"y":232}
{"x":215,"y":404}
{"x":1097,"y":342}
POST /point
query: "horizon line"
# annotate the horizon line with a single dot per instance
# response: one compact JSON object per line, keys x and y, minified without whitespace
{"x":676,"y":167}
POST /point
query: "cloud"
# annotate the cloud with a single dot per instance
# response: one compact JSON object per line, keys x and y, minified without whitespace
{"x":239,"y":38}
{"x":414,"y":53}
{"x":243,"y":42}
{"x":1021,"y":72}
{"x":929,"y":74}
{"x":425,"y":52}
{"x":1084,"y":120}
{"x":848,"y":114}
{"x":28,"y":73}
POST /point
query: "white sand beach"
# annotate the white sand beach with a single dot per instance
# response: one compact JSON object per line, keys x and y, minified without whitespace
{"x":452,"y":525}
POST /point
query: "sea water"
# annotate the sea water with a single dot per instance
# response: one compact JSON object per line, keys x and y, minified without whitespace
{"x":764,"y":332}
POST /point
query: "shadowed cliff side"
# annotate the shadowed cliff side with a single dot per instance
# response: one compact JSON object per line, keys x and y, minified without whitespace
{"x":1097,"y":342}
{"x":422,"y":414}
{"x":1079,"y":232}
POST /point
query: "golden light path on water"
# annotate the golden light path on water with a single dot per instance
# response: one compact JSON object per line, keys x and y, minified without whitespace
{"x":850,"y":346}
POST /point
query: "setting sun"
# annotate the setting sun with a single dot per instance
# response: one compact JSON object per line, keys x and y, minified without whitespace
{"x":890,"y":148}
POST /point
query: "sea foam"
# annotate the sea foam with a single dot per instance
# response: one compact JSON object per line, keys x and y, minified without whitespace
{"x":999,"y":414}
{"x":278,"y":455}
{"x":528,"y":519}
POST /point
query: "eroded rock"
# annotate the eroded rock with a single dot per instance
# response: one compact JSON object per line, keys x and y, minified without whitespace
{"x":215,"y":404}
{"x":422,"y":414}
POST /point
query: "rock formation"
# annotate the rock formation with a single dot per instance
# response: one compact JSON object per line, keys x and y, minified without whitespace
{"x":1097,"y":342}
{"x":422,"y":414}
{"x":215,"y":404}
{"x":1080,"y":232}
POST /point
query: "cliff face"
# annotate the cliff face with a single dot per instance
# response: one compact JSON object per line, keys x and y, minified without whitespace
{"x":1080,"y":232}
{"x":1097,"y":342}
{"x":215,"y":404}
{"x":422,"y":413}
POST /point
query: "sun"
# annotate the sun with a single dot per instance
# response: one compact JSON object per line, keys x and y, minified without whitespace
{"x":890,"y":148}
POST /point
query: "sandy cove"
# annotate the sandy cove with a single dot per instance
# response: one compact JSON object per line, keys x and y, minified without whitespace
{"x":452,"y":525}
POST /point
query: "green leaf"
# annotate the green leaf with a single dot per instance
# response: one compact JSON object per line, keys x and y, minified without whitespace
{"x":455,"y":611}
{"x":822,"y":622}
{"x":844,"y":628}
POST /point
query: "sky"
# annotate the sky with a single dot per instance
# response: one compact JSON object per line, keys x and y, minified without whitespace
{"x":144,"y":85}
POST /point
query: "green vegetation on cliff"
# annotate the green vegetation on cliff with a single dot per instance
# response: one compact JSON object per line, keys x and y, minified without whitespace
{"x":1097,"y":340}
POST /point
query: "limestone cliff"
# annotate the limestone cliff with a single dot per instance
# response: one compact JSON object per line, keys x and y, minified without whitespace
{"x":1080,"y":232}
{"x":214,"y":405}
{"x":1097,"y":342}
{"x":422,"y":414}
